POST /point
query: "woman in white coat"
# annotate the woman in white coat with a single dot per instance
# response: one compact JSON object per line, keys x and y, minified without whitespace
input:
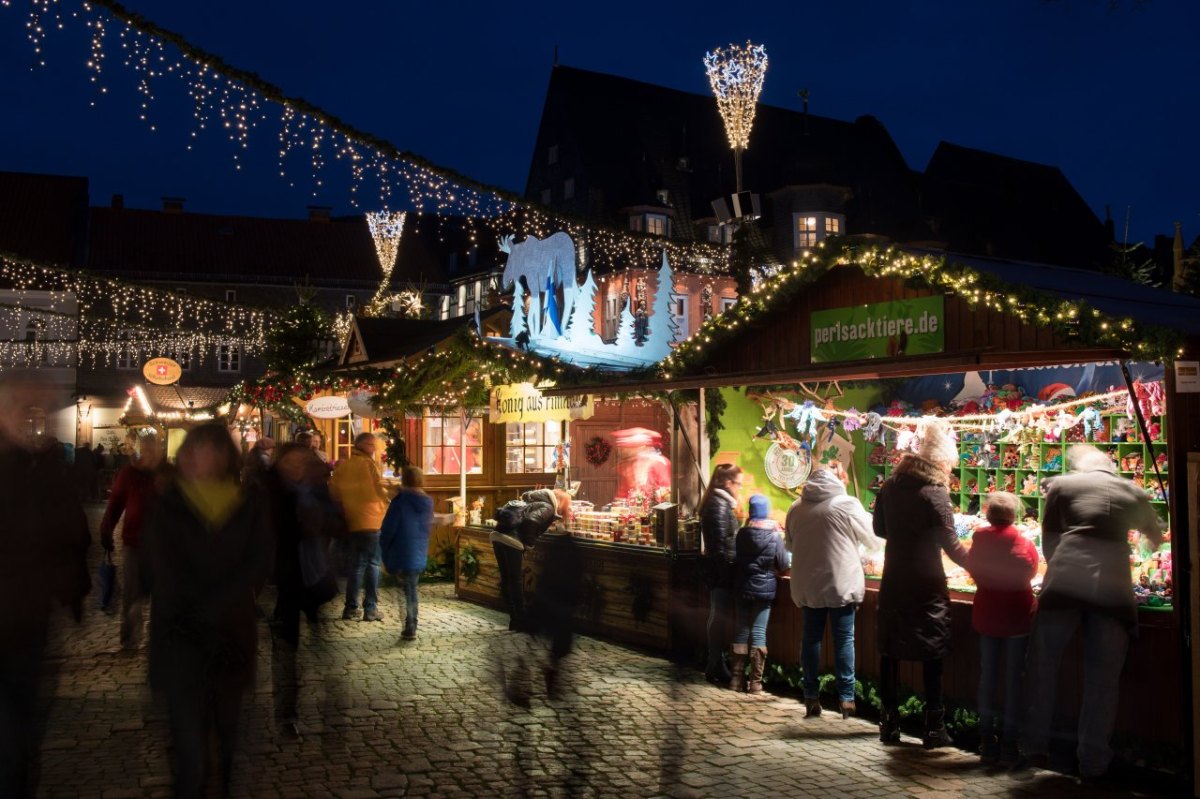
{"x":827,"y":532}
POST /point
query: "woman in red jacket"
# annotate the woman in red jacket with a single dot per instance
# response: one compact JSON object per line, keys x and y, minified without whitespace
{"x":1002,"y":563}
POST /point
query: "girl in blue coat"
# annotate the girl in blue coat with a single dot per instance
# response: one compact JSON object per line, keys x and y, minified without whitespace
{"x":760,"y":556}
{"x":404,"y":540}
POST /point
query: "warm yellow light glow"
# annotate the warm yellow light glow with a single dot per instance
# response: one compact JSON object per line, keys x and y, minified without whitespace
{"x":736,"y":75}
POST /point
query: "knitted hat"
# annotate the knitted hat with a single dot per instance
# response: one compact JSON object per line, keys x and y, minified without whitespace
{"x":937,"y":442}
{"x":760,"y":507}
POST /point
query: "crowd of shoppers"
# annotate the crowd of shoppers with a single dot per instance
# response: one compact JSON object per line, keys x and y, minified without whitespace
{"x":1088,"y":515}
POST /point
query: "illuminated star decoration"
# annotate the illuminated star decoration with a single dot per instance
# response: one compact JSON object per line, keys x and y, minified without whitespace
{"x":736,"y":76}
{"x":386,"y":229}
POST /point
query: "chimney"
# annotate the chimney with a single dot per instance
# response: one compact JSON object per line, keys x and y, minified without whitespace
{"x":1178,"y":270}
{"x":172,"y":205}
{"x":118,"y":201}
{"x":318,"y":213}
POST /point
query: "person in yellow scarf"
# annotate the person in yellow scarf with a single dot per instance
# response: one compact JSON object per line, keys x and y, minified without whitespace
{"x":207,"y":554}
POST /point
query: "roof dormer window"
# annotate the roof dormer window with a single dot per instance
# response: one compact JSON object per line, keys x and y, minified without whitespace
{"x":810,"y":227}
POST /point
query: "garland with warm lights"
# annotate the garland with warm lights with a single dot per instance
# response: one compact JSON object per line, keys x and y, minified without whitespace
{"x":97,"y":319}
{"x":1073,"y":319}
{"x":233,"y":100}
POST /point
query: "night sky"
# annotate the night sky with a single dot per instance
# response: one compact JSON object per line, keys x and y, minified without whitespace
{"x":1107,"y":95}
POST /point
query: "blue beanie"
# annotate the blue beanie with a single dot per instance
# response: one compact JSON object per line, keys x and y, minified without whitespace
{"x":760,"y":507}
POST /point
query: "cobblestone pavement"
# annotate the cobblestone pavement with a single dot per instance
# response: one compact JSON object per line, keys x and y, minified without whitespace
{"x":428,"y":718}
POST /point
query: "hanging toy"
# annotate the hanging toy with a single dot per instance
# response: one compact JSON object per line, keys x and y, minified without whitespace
{"x":872,"y":425}
{"x":907,"y":440}
{"x":852,"y":421}
{"x":768,"y":429}
{"x":807,"y":418}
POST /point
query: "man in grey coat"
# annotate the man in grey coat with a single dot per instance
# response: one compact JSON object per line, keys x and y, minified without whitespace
{"x":1085,"y":527}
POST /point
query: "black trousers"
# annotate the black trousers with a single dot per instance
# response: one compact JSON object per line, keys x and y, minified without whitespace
{"x":22,"y":719}
{"x":512,"y":591}
{"x":889,"y":674}
{"x":193,"y":713}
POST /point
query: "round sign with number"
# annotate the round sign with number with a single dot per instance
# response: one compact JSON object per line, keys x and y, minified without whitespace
{"x":787,"y":468}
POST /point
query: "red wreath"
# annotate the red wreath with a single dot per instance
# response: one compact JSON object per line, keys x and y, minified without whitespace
{"x":597,"y":451}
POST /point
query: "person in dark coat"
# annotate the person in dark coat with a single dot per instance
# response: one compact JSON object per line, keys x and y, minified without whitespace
{"x":207,"y":554}
{"x":914,"y":515}
{"x":557,"y":593}
{"x":43,"y":561}
{"x":85,"y":469}
{"x":718,"y":529}
{"x":303,"y":514}
{"x":1085,"y":538}
{"x":404,"y":540}
{"x":761,"y":556}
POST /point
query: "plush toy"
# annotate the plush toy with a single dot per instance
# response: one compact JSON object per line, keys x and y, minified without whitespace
{"x":1155,"y":431}
{"x":877,"y":456}
{"x":1029,"y":486}
{"x":808,"y":418}
{"x":872,"y":426}
{"x":1053,"y":460}
{"x":1012,"y":458}
{"x":1092,"y":423}
{"x":955,"y":483}
{"x":1132,"y":462}
{"x":852,"y":421}
{"x":1010,"y":482}
{"x":1121,"y":432}
{"x":1161,"y":460}
{"x":991,"y":483}
{"x":972,"y":486}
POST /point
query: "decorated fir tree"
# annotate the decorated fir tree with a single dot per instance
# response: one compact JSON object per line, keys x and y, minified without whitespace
{"x":626,"y":341}
{"x":581,"y":328}
{"x":517,"y":326}
{"x":663,"y":329}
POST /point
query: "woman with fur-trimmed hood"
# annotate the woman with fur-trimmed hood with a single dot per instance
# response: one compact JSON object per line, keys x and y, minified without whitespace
{"x":914,"y":516}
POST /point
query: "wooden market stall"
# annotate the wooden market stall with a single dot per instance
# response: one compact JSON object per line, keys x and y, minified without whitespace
{"x":815,"y":325}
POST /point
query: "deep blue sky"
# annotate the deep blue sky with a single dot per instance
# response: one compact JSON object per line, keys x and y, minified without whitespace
{"x":1108,"y":96}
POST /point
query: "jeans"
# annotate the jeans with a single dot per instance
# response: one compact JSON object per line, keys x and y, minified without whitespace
{"x":410,"y":603}
{"x":990,"y":652}
{"x":842,"y":621}
{"x":889,"y":679}
{"x":720,"y":610}
{"x":1105,"y":642}
{"x":133,"y":601}
{"x":750,"y":621}
{"x":510,"y":562}
{"x":363,"y":556}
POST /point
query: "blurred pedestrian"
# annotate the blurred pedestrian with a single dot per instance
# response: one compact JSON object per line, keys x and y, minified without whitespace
{"x":43,"y":561}
{"x":134,"y":492}
{"x":760,"y":557}
{"x":913,"y":513}
{"x":317,"y":442}
{"x":828,"y":531}
{"x":258,"y":462}
{"x":718,"y":528}
{"x":207,"y":554}
{"x":304,"y":515}
{"x":557,"y":592}
{"x":85,"y":469}
{"x":404,"y":541}
{"x":357,"y":484}
{"x":1001,"y":562}
{"x":1085,"y":527}
{"x":510,"y":556}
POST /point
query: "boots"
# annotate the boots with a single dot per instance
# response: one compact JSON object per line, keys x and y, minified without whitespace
{"x":758,"y":661}
{"x":812,"y":708}
{"x":935,"y":729}
{"x":737,"y":668}
{"x":889,"y":725}
{"x":848,"y":709}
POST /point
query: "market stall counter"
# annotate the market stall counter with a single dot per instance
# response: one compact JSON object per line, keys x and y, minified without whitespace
{"x":636,"y":588}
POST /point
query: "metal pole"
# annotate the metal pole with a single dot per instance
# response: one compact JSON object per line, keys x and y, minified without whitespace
{"x":1141,"y":420}
{"x":462,"y":458}
{"x":702,"y":434}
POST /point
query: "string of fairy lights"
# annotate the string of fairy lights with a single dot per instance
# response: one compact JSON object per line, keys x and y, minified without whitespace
{"x":60,"y":317}
{"x":1073,"y":319}
{"x":240,"y":104}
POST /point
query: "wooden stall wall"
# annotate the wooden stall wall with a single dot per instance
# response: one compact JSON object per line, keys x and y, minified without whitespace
{"x":782,"y":341}
{"x":599,"y":483}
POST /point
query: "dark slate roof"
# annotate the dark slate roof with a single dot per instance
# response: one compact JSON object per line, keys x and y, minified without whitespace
{"x":386,"y":340}
{"x":623,"y":140}
{"x":1110,"y":294}
{"x":1008,"y":208}
{"x":147,"y":244}
{"x":44,"y":217}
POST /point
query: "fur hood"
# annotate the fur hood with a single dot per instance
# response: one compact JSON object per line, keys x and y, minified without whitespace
{"x":919,"y":468}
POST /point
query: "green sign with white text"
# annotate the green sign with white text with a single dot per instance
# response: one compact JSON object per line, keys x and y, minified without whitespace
{"x":881,"y":330}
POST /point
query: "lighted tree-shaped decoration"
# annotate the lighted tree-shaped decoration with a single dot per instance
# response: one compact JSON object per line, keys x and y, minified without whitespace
{"x":386,"y":229}
{"x":625,"y":331}
{"x":533,"y":320}
{"x":736,"y":75}
{"x":581,"y":327}
{"x":517,"y":326}
{"x":663,"y":329}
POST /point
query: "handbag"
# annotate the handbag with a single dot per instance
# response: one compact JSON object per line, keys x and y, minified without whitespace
{"x":106,"y":579}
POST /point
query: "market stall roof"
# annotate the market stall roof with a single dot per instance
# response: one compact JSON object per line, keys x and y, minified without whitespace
{"x":375,"y":341}
{"x":1109,"y":293}
{"x":185,"y":398}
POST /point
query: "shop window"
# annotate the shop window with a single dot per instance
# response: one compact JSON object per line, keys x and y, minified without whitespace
{"x":343,"y":438}
{"x":529,"y":446}
{"x":126,"y":359}
{"x":229,"y":358}
{"x":612,"y":317}
{"x":441,"y":445}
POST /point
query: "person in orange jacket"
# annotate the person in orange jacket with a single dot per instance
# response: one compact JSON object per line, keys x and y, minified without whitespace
{"x":357,"y":484}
